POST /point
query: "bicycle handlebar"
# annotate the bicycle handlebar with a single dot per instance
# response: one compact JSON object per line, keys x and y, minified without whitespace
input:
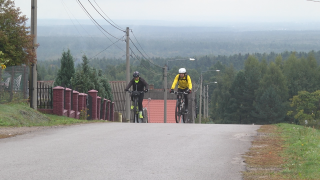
{"x":135,"y":91}
{"x":176,"y":92}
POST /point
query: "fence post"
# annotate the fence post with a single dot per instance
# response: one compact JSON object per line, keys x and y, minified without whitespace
{"x":58,"y":100}
{"x":104,"y":106}
{"x":67,"y":101}
{"x":75,"y":101}
{"x":0,"y":82}
{"x":93,"y":93}
{"x":112,"y":111}
{"x":108,"y":110}
{"x":98,"y":106}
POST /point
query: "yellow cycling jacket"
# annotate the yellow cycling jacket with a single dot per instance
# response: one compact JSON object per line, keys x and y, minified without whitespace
{"x":184,"y":83}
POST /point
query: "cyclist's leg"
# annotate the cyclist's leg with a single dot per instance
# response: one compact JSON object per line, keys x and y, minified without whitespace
{"x":140,"y":105}
{"x":186,"y":102}
{"x":132,"y":104}
{"x":185,"y":99}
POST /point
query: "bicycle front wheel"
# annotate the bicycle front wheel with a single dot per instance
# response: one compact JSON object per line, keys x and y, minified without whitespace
{"x":178,"y":113}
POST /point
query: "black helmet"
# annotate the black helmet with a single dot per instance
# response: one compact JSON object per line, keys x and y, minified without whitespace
{"x":136,"y":74}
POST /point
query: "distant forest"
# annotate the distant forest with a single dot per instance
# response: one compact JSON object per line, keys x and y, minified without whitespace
{"x":114,"y":68}
{"x":166,"y":42}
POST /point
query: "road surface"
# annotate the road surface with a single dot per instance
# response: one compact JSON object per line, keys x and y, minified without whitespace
{"x":128,"y":151}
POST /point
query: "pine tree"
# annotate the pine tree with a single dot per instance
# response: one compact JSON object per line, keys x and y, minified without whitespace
{"x":269,"y":108}
{"x":105,"y":84}
{"x":81,"y":80}
{"x":252,"y":75}
{"x":66,"y":71}
{"x":234,"y":112}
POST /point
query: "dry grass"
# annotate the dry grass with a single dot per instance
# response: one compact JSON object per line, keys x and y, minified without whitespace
{"x":264,"y":160}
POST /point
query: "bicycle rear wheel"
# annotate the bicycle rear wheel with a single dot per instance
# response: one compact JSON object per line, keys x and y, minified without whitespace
{"x":135,"y":111}
{"x":178,"y":113}
{"x":183,"y":114}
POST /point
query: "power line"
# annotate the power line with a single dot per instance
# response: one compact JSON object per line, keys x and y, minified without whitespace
{"x":143,"y":55}
{"x":70,"y":17}
{"x":143,"y":64}
{"x":139,"y":43}
{"x":104,"y":49}
{"x":105,"y":18}
{"x":96,"y":21}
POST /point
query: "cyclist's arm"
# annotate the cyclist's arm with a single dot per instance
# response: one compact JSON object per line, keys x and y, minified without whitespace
{"x":189,"y":83}
{"x":129,"y":85}
{"x":175,"y":82}
{"x":145,"y":83}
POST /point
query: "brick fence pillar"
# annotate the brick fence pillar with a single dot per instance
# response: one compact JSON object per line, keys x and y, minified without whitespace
{"x":108,"y":110}
{"x":80,"y":101}
{"x":112,"y":111}
{"x":58,"y":100}
{"x":93,"y":93}
{"x":104,"y":106}
{"x":75,"y":101}
{"x":98,"y":107}
{"x":67,"y":101}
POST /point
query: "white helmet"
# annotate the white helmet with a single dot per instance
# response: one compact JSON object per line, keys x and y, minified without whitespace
{"x":182,"y":70}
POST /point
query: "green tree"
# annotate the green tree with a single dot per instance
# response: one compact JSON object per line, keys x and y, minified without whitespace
{"x":221,"y":94}
{"x":66,"y":71}
{"x":15,"y":40}
{"x":81,"y":80}
{"x":234,"y":111}
{"x":306,"y":106}
{"x":106,"y":86}
{"x":252,"y":73}
{"x":269,"y":107}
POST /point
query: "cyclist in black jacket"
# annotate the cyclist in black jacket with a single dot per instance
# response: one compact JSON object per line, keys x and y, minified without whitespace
{"x":138,"y":84}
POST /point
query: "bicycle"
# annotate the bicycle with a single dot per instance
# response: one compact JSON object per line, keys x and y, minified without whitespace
{"x":136,"y":95}
{"x":180,"y":108}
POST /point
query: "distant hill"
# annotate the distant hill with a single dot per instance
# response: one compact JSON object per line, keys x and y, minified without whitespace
{"x":172,"y":41}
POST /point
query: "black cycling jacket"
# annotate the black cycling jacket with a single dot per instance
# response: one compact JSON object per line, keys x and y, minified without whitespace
{"x":140,"y":86}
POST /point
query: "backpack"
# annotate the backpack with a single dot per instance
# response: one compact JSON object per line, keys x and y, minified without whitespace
{"x":183,"y":79}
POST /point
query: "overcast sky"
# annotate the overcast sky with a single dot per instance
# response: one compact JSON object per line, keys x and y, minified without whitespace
{"x":191,"y":11}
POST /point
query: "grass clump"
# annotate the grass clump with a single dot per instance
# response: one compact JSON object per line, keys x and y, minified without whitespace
{"x":284,"y":151}
{"x":302,"y":151}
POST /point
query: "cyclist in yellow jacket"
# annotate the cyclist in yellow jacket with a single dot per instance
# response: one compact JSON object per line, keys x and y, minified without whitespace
{"x":184,"y":85}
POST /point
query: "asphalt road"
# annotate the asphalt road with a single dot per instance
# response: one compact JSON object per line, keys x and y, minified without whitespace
{"x":128,"y":151}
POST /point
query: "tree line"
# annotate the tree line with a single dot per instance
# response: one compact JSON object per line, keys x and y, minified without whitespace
{"x":264,"y":91}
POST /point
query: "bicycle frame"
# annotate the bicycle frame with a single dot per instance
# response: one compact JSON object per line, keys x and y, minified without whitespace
{"x":180,"y":107}
{"x":135,"y":95}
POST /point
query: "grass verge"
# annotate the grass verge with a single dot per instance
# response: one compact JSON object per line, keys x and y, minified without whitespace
{"x":20,"y":115}
{"x":284,"y":151}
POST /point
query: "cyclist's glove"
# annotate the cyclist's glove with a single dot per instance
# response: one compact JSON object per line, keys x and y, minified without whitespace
{"x":146,"y":90}
{"x":188,"y":91}
{"x":171,"y":91}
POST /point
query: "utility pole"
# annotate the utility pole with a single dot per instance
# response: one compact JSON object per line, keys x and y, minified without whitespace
{"x":207,"y":100}
{"x":165,"y":84}
{"x":33,"y":69}
{"x":204,"y":102}
{"x":200,"y":98}
{"x":128,"y":75}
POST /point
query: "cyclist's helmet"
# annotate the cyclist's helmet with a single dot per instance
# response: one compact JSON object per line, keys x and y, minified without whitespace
{"x":136,"y":74}
{"x":182,"y":70}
